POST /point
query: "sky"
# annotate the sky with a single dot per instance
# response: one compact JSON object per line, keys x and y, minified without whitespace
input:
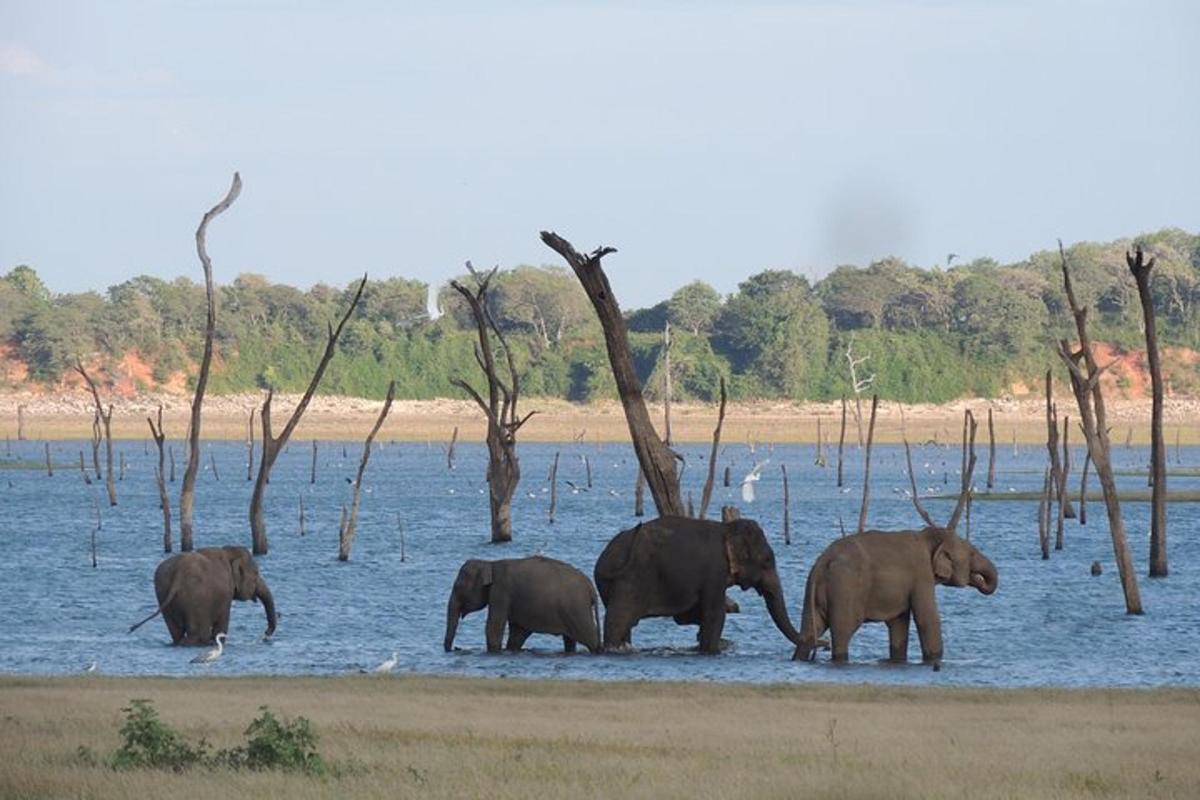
{"x":704,"y":140}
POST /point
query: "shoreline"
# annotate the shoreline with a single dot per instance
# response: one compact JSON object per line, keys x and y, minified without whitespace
{"x":468,"y":737}
{"x":332,"y":418}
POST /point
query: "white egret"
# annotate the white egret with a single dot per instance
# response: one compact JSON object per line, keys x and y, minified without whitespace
{"x":751,"y":478}
{"x":212,"y":655}
{"x":390,"y":664}
{"x":90,"y":667}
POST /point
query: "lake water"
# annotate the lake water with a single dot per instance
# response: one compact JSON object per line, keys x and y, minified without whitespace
{"x":1050,"y":623}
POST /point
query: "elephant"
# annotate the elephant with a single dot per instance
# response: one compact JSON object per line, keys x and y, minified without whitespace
{"x":879,"y":576}
{"x":680,"y":567}
{"x":195,"y":591}
{"x":531,"y":595}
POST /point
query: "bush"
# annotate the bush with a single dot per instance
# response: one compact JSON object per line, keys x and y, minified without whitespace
{"x":272,"y":744}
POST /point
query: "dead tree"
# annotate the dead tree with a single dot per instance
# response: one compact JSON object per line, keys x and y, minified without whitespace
{"x":655,"y":457}
{"x":49,"y":464}
{"x":312,"y":471}
{"x":857,"y":385}
{"x":866,"y":495}
{"x":667,"y":383}
{"x":639,"y":495}
{"x":1062,"y":483}
{"x":587,"y":467}
{"x":1056,"y":481}
{"x":787,"y":513}
{"x":250,"y":446}
{"x":109,"y":482}
{"x":273,"y":445}
{"x":1140,"y":268}
{"x":991,"y":476}
{"x":346,"y":534}
{"x":500,"y":408}
{"x":97,"y":440}
{"x":967,"y":471}
{"x":450,"y":449}
{"x":187,"y":494}
{"x":1044,"y":514}
{"x":553,"y":488}
{"x":706,"y":495}
{"x":841,"y":441}
{"x":1087,"y":462}
{"x":164,"y":500}
{"x":87,"y":480}
{"x":1085,"y":384}
{"x":820,"y":458}
{"x":212,"y":462}
{"x":171,"y":455}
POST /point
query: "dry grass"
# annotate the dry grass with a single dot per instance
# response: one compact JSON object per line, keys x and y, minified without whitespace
{"x":446,"y":737}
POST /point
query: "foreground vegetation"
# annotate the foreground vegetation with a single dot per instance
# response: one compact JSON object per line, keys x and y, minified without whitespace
{"x":447,"y":737}
{"x":931,"y":334}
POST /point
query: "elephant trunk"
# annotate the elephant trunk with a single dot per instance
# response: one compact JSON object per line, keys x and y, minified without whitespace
{"x":983,"y":573}
{"x":453,"y":614}
{"x":772,"y":592}
{"x":262,"y":593}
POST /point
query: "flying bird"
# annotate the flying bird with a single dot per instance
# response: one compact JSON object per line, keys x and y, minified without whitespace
{"x":950,"y":257}
{"x":390,"y":664}
{"x":751,"y":478}
{"x":213,"y":654}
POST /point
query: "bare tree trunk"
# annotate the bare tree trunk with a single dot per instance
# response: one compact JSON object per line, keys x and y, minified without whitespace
{"x":504,"y":470}
{"x":109,"y":482}
{"x":727,"y":476}
{"x":164,"y":501}
{"x":272,"y":445}
{"x":97,"y":440}
{"x":841,"y":441}
{"x":187,"y":494}
{"x":450,"y":449}
{"x":83,"y":470}
{"x":301,"y":515}
{"x":706,"y":495}
{"x":1085,"y":383}
{"x":587,"y":466}
{"x":312,"y":473}
{"x":787,"y":514}
{"x":991,"y":476}
{"x":346,"y":534}
{"x":858,"y":385}
{"x":49,"y":465}
{"x":212,"y":462}
{"x":1052,"y":438}
{"x":553,"y":488}
{"x":639,"y":495}
{"x":171,"y":453}
{"x":862,"y":514}
{"x":1087,"y":461}
{"x":121,"y":474}
{"x":250,"y":447}
{"x":1044,"y":515}
{"x":1140,"y":268}
{"x":400,"y":526}
{"x":691,"y":511}
{"x":820,"y":458}
{"x":1062,"y":483}
{"x":667,"y":383}
{"x":656,"y":459}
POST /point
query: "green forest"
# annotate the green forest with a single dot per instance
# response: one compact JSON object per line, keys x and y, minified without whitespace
{"x":930,"y":334}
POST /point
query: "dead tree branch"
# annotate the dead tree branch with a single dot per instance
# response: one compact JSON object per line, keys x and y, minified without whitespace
{"x":160,"y":477}
{"x":346,"y":534}
{"x":706,"y":495}
{"x":109,"y":481}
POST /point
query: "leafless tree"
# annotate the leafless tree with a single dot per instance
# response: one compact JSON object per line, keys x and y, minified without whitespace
{"x":991,"y":476}
{"x":273,"y":445}
{"x":655,"y":457}
{"x":109,"y":482}
{"x":787,"y":511}
{"x":500,"y":408}
{"x":1061,"y":491}
{"x":866,"y":495}
{"x":967,"y":472}
{"x":1140,"y":268}
{"x":164,"y":501}
{"x":841,"y":442}
{"x":857,"y":385}
{"x":250,"y":446}
{"x":706,"y":495}
{"x":187,"y":493}
{"x":554,"y":488}
{"x":346,"y":534}
{"x":1085,"y":384}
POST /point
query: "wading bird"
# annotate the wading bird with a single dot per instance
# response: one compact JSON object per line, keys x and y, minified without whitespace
{"x":212,"y":655}
{"x":390,"y":664}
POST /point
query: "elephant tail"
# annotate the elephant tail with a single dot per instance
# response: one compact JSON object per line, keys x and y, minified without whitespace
{"x":596,"y":618}
{"x":166,"y":601}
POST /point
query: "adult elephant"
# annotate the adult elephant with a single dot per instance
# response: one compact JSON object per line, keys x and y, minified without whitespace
{"x":889,"y":577}
{"x":529,"y":595}
{"x":680,"y":567}
{"x":196,"y":590}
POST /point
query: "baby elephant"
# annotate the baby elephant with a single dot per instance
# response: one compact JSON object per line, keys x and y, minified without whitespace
{"x":530,"y":595}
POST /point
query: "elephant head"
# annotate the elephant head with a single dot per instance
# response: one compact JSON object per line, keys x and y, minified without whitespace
{"x":470,"y":593}
{"x":956,"y":562}
{"x":248,"y":584}
{"x":752,"y":566}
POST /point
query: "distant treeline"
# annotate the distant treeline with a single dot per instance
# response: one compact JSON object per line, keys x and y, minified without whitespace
{"x":931,"y":334}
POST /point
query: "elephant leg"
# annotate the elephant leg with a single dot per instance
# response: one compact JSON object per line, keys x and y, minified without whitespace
{"x":898,"y":638}
{"x":569,"y":645}
{"x":619,"y":619}
{"x":174,"y":627}
{"x":497,"y":619}
{"x":711,"y":625}
{"x":516,"y":637}
{"x":843,"y":622}
{"x":929,"y":627}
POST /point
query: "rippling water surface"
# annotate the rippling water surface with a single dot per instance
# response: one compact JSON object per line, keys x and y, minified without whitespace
{"x":1050,"y":623}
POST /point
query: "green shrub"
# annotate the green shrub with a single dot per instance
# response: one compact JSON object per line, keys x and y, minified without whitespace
{"x":274,"y":744}
{"x":151,"y":743}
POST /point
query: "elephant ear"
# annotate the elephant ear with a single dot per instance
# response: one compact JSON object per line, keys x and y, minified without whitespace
{"x":737,"y":550}
{"x":943,"y":566}
{"x":485,"y":574}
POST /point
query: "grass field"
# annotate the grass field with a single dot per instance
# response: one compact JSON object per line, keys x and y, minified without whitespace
{"x":447,"y":737}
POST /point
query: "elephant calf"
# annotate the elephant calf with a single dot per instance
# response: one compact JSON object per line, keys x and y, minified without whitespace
{"x":529,"y":595}
{"x":888,"y":577}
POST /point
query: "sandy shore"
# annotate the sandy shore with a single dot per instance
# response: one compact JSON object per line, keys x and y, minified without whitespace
{"x":69,"y":416}
{"x":448,"y":737}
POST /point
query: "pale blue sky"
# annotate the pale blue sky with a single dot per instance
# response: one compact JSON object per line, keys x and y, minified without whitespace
{"x":704,"y":140}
